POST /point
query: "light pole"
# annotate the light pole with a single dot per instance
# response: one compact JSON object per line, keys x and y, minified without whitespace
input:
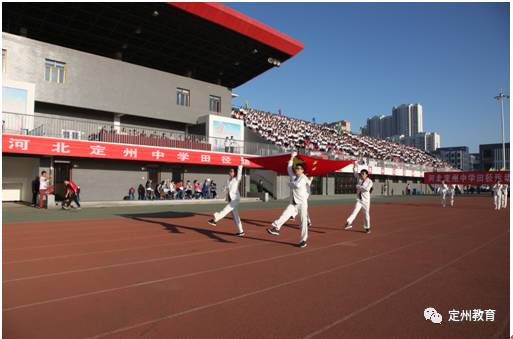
{"x":501,"y":98}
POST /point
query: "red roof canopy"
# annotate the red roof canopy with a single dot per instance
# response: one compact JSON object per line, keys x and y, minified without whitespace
{"x":243,"y":24}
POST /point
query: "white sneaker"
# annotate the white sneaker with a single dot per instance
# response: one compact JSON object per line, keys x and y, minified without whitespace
{"x":348,"y":226}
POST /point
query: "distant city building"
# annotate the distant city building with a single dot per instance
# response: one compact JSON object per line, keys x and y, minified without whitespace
{"x":475,"y":161}
{"x":406,"y":120}
{"x":404,"y":126}
{"x":491,"y":156}
{"x":428,"y":142}
{"x":341,"y":126}
{"x":388,"y":126}
{"x":346,"y":126}
{"x":375,"y":126}
{"x":458,"y":157}
{"x":433,"y":141}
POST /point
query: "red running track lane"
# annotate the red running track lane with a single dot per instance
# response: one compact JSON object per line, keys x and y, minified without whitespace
{"x":178,"y":277}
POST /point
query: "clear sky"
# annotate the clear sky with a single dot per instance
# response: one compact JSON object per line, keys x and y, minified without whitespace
{"x":360,"y":59}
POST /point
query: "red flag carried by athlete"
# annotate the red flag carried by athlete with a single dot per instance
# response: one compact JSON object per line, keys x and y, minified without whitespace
{"x":313,"y":166}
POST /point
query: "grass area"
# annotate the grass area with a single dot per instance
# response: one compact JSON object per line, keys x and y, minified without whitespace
{"x":13,"y":213}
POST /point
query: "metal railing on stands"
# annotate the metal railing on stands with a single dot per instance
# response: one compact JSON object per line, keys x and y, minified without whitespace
{"x":106,"y":131}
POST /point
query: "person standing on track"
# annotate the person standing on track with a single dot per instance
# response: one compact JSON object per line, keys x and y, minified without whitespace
{"x":233,"y":197}
{"x":497,"y":195}
{"x":298,"y":203}
{"x":452,"y":191}
{"x":363,"y":191}
{"x":44,"y":185}
{"x":444,"y":189}
{"x":35,"y":190}
{"x":504,"y":196}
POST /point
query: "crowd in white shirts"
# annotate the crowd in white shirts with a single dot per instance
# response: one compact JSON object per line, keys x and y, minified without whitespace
{"x":291,"y":133}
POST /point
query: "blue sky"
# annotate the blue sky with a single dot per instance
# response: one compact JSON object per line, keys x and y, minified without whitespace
{"x":360,"y":59}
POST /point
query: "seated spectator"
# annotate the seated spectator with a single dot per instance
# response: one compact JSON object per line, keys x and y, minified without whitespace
{"x":141,"y":191}
{"x":197,"y":189}
{"x":205,"y":190}
{"x":213,"y":189}
{"x":159,"y":190}
{"x":188,"y":190}
{"x":150,"y":192}
{"x":179,"y":190}
{"x":172,"y":190}
{"x":131,"y":193}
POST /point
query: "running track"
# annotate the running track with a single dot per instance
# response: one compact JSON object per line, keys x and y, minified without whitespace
{"x":174,"y":276}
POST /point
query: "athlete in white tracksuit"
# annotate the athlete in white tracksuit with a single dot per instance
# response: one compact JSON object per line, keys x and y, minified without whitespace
{"x":444,"y":190}
{"x":309,"y":185}
{"x":452,"y":191}
{"x":363,"y":187}
{"x":497,"y":195}
{"x":504,"y":196}
{"x":233,"y":197}
{"x":298,"y":203}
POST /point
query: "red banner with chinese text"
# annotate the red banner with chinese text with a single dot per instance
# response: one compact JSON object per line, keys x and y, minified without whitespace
{"x":467,"y":178}
{"x":23,"y":144}
{"x":313,"y":166}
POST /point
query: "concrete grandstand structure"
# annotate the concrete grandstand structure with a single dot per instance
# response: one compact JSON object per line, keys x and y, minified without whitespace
{"x":156,"y":78}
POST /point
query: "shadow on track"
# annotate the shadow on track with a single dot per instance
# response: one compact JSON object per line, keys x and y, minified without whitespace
{"x":176,"y":228}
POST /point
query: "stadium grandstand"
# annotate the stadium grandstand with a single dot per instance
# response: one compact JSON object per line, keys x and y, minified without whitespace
{"x":290,"y":133}
{"x":113,"y":95}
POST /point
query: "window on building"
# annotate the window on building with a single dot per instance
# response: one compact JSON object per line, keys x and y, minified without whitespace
{"x":69,"y":134}
{"x":215,"y":104}
{"x":183,"y":97}
{"x":4,"y":60}
{"x":55,"y":71}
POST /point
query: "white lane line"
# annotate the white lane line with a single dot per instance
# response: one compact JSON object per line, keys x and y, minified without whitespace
{"x":404,"y":287}
{"x":96,"y":268}
{"x":103,"y":252}
{"x":270,"y":288}
{"x":86,"y":243}
{"x":14,"y":240}
{"x":149,"y":282}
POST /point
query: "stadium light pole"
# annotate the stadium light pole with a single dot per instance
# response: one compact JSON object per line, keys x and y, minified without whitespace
{"x":501,"y":98}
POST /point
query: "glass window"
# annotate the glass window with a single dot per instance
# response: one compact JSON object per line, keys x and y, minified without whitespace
{"x":55,"y":71}
{"x":183,"y":97}
{"x":69,"y":134}
{"x":215,"y":104}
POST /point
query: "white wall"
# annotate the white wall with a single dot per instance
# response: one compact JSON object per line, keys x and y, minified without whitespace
{"x":17,"y":174}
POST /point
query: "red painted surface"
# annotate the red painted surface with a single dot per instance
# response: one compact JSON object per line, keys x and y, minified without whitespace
{"x":243,"y":24}
{"x":172,"y":275}
{"x":466,"y":178}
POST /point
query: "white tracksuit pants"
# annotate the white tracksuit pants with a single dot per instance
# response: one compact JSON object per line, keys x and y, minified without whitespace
{"x":504,"y":200}
{"x":307,"y":218}
{"x":230,"y":207}
{"x":366,"y":209}
{"x":497,"y":201}
{"x":292,"y":210}
{"x":452,"y":198}
{"x":444,"y":195}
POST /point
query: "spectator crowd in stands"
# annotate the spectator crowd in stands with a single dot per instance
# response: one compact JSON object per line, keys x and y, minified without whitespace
{"x":174,"y":190}
{"x":292,"y":133}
